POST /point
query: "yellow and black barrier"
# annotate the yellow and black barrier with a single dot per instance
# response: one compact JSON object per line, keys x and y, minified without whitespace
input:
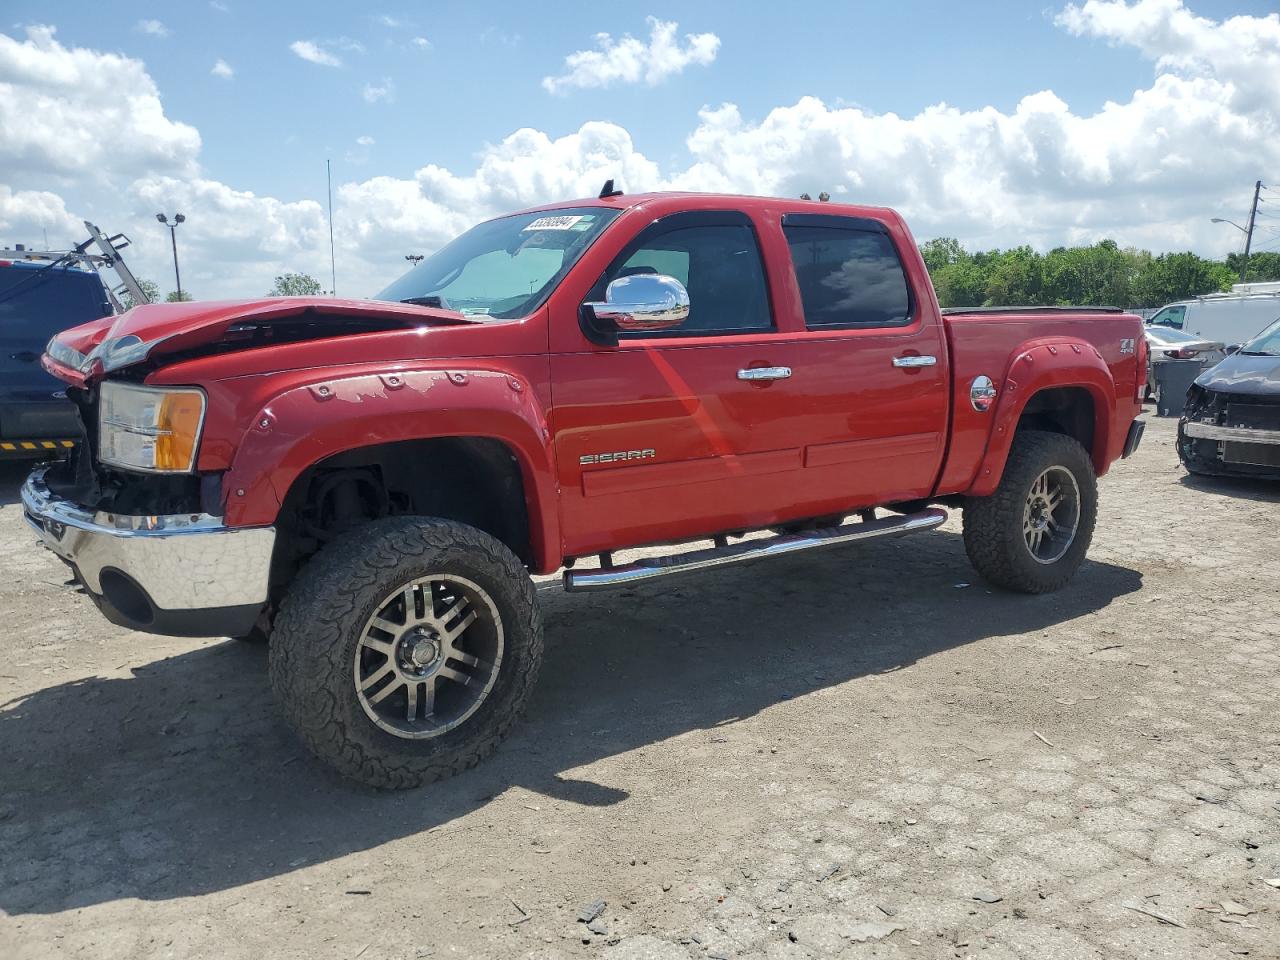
{"x":12,"y":449}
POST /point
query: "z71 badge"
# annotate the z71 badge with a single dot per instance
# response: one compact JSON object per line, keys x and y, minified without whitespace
{"x":617,"y":457}
{"x":1127,"y":345}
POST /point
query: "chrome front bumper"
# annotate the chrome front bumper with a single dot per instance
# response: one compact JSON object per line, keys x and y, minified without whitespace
{"x":179,"y":574}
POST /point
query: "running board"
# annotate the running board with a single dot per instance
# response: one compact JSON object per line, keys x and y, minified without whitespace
{"x":606,"y":577}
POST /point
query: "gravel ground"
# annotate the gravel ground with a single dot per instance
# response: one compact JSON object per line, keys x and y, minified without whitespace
{"x":860,"y":753}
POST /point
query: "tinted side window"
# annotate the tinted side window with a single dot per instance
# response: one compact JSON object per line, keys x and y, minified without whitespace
{"x":719,"y":264}
{"x":848,"y":278}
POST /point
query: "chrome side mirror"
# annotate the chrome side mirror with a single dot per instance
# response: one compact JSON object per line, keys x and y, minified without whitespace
{"x":641,"y":303}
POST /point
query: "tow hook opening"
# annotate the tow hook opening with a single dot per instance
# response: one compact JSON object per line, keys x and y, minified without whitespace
{"x":119,"y":590}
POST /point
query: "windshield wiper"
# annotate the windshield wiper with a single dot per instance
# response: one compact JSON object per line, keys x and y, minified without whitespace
{"x":1258,"y":353}
{"x":437,"y":302}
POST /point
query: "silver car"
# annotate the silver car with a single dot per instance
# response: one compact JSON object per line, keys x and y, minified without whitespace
{"x":1165,"y":344}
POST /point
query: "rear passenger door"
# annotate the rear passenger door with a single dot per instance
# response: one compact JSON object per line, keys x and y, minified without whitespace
{"x":872,"y":360}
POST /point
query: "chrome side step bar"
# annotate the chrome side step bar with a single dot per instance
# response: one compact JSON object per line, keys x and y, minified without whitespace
{"x":606,"y":577}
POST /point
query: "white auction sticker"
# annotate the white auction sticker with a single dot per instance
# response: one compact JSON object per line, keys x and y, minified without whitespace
{"x":552,"y":223}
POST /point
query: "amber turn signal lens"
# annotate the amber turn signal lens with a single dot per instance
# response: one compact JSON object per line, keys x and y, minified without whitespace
{"x":177,"y":430}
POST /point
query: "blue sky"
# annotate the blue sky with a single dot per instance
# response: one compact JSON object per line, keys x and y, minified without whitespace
{"x":480,"y":78}
{"x":814,"y":86}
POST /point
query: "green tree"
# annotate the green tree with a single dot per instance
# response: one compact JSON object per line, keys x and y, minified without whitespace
{"x":149,"y":287}
{"x":1016,"y":278}
{"x":1177,"y":276}
{"x":178,"y":297}
{"x":1262,"y":266}
{"x":962,"y":284}
{"x":941,"y":252}
{"x":295,"y":285}
{"x":1101,"y":274}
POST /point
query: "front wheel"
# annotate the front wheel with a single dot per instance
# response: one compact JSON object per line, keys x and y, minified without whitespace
{"x":405,"y":651}
{"x":1033,"y":533}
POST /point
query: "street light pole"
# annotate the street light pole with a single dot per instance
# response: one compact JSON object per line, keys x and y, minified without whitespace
{"x":173,"y":238}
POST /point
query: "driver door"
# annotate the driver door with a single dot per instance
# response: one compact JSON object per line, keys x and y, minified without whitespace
{"x":675,"y":434}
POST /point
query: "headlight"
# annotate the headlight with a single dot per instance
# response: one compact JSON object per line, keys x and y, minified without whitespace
{"x":154,"y":429}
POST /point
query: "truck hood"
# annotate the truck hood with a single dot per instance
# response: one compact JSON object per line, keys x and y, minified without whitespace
{"x":1243,"y":374}
{"x":93,"y":349}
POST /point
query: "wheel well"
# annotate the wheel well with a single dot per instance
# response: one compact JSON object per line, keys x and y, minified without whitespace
{"x":473,"y":480}
{"x":1065,"y":410}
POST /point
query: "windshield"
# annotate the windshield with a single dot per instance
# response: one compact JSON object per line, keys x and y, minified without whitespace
{"x":503,"y":268}
{"x":1265,"y":344}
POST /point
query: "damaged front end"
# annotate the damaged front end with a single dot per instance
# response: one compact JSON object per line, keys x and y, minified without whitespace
{"x":1230,"y":434}
{"x":151,"y":551}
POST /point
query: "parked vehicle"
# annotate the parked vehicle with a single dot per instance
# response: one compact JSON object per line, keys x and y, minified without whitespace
{"x":1230,"y":318}
{"x":1231,"y":426}
{"x":37,"y":300}
{"x":1165,"y":344}
{"x":373,"y":481}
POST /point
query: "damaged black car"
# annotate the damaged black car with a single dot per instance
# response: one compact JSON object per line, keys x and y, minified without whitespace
{"x":1231,"y":424}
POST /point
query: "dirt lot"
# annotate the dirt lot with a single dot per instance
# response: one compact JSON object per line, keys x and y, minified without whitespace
{"x":860,"y":753}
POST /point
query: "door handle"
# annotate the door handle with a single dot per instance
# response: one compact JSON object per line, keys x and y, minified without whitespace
{"x":764,"y":373}
{"x":914,"y":361}
{"x":26,"y":356}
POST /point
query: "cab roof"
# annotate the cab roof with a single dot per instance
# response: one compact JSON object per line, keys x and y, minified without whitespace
{"x":689,"y":200}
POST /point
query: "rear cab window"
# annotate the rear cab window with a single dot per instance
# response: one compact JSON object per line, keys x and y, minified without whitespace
{"x":849,"y":272}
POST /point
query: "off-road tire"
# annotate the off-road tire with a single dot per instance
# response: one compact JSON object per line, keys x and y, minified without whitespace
{"x":315,"y":634}
{"x":993,"y":526}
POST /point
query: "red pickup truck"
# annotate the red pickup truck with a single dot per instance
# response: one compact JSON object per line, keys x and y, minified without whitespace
{"x":372,"y":482}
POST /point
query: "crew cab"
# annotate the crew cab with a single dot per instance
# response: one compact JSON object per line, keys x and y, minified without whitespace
{"x":370,"y":483}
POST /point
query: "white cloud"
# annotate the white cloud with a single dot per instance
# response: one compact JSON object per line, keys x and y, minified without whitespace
{"x":152,"y":28}
{"x":1243,"y":52}
{"x":388,"y":21}
{"x":222,"y":69}
{"x":312,"y":53}
{"x":26,"y":214}
{"x":629,"y":60}
{"x":71,"y":114}
{"x":366,"y":141}
{"x":219,"y":6}
{"x":232,"y":240}
{"x":380,"y":92}
{"x":422,"y":43}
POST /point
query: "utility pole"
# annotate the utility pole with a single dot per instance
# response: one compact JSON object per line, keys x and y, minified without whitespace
{"x":1248,"y":234}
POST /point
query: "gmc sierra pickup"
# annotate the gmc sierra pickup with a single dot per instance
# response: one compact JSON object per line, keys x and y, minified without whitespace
{"x":370,"y":483}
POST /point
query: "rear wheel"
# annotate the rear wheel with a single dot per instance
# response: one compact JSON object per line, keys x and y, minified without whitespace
{"x":1032,"y":534}
{"x":405,"y":651}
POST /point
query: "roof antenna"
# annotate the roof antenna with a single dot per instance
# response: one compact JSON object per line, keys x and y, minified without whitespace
{"x":607,"y":190}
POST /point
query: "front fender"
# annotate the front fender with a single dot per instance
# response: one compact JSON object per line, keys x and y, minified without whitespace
{"x":1042,"y":365}
{"x":305,"y":424}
